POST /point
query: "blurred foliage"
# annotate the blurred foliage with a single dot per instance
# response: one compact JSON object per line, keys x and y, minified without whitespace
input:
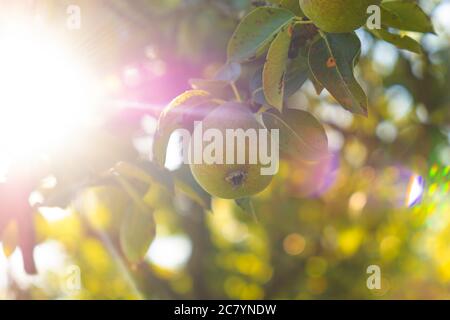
{"x":320,"y":224}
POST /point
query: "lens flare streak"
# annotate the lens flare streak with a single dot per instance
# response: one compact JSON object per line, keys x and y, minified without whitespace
{"x":415,"y":190}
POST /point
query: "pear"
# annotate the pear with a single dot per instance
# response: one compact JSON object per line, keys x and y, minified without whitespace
{"x":230,"y":181}
{"x":337,"y":16}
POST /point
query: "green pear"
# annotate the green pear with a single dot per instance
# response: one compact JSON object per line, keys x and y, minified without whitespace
{"x":230,"y":181}
{"x":337,"y":16}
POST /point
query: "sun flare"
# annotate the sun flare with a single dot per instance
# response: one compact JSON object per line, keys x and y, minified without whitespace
{"x":45,"y":95}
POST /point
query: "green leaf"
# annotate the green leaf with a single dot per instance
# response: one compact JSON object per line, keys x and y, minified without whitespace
{"x":400,"y":41}
{"x":180,"y":113}
{"x":332,"y":59}
{"x":256,"y":87}
{"x":131,"y":191}
{"x":185,"y":182}
{"x":317,"y":85}
{"x":275,"y":69}
{"x":297,"y":73}
{"x":406,"y":15}
{"x":292,"y":5}
{"x":147,"y":173}
{"x":138,"y":227}
{"x":256,"y":31}
{"x":301,"y":135}
{"x":296,"y":76}
{"x":246,"y":204}
{"x":137,"y":232}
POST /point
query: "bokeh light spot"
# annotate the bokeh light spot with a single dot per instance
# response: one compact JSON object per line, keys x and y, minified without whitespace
{"x":294,"y":244}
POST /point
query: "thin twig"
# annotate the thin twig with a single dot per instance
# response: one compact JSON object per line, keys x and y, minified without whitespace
{"x":236,"y":92}
{"x":120,"y":264}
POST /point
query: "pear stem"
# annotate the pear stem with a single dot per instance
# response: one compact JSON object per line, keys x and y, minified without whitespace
{"x":236,"y":91}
